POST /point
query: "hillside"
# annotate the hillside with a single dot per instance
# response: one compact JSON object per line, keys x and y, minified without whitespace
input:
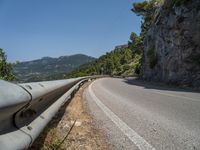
{"x":42,"y":68}
{"x":121,"y":61}
{"x":166,"y":50}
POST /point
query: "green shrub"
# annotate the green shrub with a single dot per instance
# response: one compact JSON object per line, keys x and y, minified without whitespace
{"x":126,"y":67}
{"x":5,"y":67}
{"x":169,"y":4}
{"x":152,"y":58}
{"x":137,"y":67}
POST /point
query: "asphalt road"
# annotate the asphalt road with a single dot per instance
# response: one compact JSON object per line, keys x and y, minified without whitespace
{"x":138,"y":115}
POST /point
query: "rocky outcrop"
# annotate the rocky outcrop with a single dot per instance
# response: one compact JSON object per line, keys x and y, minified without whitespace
{"x":172,"y":46}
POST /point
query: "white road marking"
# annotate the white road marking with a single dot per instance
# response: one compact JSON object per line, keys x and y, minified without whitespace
{"x":140,"y":142}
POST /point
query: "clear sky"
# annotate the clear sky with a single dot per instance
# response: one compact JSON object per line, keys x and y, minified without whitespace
{"x":31,"y":29}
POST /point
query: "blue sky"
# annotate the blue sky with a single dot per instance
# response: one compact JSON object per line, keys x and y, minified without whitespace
{"x":31,"y":29}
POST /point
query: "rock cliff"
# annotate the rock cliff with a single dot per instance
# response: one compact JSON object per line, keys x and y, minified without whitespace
{"x":172,"y":45}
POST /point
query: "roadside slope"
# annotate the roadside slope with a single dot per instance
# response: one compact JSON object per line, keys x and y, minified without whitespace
{"x":83,"y":135}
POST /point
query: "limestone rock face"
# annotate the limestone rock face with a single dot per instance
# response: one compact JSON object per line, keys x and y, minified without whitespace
{"x":172,"y":46}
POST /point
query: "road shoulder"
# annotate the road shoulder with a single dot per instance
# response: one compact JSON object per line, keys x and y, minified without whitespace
{"x":75,"y":117}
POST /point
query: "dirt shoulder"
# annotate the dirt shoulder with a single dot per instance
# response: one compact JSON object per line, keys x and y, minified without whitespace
{"x":73,"y":126}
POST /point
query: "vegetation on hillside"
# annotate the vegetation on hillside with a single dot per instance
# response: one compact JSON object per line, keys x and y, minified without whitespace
{"x":5,"y":67}
{"x":119,"y":62}
{"x":124,"y":61}
{"x":42,"y":69}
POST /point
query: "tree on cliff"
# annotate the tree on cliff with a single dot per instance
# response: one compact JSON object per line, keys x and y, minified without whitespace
{"x":147,"y":10}
{"x":135,"y":43}
{"x":5,"y":67}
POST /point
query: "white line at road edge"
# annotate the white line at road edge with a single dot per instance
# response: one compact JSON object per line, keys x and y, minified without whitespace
{"x":141,"y":143}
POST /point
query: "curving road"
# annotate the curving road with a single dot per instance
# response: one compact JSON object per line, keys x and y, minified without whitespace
{"x":137,"y":115}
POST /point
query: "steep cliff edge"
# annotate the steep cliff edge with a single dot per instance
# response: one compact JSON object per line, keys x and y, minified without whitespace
{"x":172,"y":44}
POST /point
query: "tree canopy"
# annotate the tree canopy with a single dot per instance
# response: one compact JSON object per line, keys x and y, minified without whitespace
{"x":5,"y":67}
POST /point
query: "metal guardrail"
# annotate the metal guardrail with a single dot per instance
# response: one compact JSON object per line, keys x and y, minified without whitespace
{"x":25,"y":109}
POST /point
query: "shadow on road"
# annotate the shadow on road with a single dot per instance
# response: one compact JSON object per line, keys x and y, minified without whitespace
{"x":158,"y":85}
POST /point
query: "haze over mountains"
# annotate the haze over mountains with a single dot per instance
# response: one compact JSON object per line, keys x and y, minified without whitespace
{"x":48,"y":66}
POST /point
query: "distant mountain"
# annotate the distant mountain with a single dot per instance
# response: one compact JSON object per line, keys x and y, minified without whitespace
{"x":40,"y":69}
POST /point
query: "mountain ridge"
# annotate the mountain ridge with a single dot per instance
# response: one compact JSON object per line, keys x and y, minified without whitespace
{"x":39,"y":69}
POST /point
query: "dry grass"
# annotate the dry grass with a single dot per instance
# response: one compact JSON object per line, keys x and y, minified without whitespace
{"x":83,"y":136}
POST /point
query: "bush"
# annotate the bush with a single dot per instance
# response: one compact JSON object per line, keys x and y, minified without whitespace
{"x":169,"y":4}
{"x":137,"y":67}
{"x":5,"y":67}
{"x":152,"y":58}
{"x":126,"y":67}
